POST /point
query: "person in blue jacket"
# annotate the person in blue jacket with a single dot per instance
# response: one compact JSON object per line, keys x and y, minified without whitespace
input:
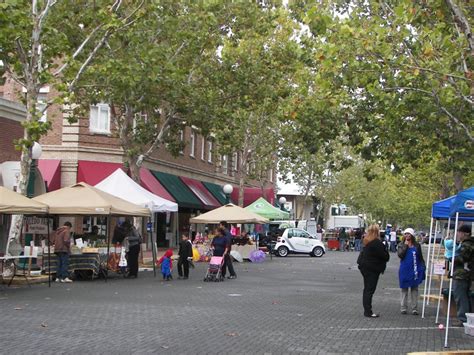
{"x":412,"y":270}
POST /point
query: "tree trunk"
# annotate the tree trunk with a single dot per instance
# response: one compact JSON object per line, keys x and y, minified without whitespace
{"x":13,"y":244}
{"x":134,"y":168}
{"x":309,"y":183}
{"x":458,"y":181}
{"x":241,"y":190}
{"x":445,"y":190}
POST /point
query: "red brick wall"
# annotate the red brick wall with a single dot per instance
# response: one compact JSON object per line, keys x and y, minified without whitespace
{"x":9,"y":131}
{"x":94,"y":140}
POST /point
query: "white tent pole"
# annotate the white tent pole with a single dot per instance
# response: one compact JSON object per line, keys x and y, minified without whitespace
{"x":427,"y":269}
{"x":432,"y":260}
{"x":451,"y":280}
{"x":439,"y":298}
{"x":445,"y":235}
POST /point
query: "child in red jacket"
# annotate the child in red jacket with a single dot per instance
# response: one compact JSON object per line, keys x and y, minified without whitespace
{"x":166,"y":265}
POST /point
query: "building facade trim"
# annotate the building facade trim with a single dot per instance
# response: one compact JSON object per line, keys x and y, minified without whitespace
{"x":12,"y":110}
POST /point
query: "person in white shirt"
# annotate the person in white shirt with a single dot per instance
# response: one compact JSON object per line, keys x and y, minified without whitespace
{"x":393,"y":241}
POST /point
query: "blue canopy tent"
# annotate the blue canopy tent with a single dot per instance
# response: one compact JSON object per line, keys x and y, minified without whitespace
{"x":440,"y":210}
{"x":462,"y":208}
{"x":463,"y":204}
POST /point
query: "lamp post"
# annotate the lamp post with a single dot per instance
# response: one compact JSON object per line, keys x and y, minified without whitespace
{"x":227,"y":191}
{"x":36,"y":151}
{"x":282,"y":201}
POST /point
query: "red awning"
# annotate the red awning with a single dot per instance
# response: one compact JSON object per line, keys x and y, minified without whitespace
{"x":252,"y":194}
{"x":93,"y":172}
{"x":201,"y":192}
{"x":51,"y":171}
{"x":149,"y":182}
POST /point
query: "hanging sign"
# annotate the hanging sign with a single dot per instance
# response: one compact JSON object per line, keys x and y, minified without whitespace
{"x":438,"y":268}
{"x":36,"y":225}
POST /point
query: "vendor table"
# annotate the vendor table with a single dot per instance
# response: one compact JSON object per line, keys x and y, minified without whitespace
{"x":94,"y":262}
{"x":244,"y":250}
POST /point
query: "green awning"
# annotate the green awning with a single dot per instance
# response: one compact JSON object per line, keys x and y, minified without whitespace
{"x":216,"y":191}
{"x":180,"y":192}
{"x":265,"y":209}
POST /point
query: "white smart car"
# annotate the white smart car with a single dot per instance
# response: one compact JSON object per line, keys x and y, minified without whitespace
{"x":298,"y":241}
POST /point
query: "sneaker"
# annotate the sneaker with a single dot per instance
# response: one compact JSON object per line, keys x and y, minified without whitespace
{"x":403,"y":312}
{"x":373,"y":315}
{"x":185,"y":278}
{"x":232,"y":277}
{"x":415,"y":312}
{"x":66,"y":280}
{"x":57,"y":279}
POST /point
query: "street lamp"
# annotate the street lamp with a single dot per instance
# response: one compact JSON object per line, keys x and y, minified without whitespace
{"x":35,"y":151}
{"x":227,"y":191}
{"x":282,"y":201}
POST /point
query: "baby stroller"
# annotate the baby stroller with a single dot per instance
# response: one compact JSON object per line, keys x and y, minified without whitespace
{"x":214,"y":271}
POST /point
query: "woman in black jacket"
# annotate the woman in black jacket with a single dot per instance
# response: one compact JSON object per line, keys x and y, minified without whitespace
{"x":372,"y":262}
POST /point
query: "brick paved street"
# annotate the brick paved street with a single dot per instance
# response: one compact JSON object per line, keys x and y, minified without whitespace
{"x":294,"y":305}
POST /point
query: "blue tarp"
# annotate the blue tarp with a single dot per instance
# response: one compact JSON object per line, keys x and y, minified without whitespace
{"x":463,"y":203}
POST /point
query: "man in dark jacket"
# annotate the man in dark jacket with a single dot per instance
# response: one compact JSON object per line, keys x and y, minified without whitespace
{"x":463,"y":274}
{"x":185,"y":254}
{"x":62,"y":248}
{"x":227,"y":257}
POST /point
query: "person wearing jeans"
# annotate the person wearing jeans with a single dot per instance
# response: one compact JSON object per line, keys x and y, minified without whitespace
{"x":358,"y":239}
{"x":342,"y":239}
{"x":62,"y":246}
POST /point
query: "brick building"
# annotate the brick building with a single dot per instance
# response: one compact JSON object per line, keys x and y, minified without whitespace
{"x":11,"y":115}
{"x":89,"y":151}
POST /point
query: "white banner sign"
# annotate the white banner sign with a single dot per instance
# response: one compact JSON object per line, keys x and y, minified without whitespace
{"x":438,"y":268}
{"x":36,"y":225}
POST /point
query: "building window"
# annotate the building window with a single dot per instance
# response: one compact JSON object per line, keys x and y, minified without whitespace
{"x":40,"y":106}
{"x":99,"y":121}
{"x":209,"y":151}
{"x":235,"y":161}
{"x":224,"y":164}
{"x":193,"y":143}
{"x":203,"y":149}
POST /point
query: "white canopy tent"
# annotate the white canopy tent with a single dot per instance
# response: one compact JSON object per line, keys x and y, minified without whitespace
{"x":121,"y":185}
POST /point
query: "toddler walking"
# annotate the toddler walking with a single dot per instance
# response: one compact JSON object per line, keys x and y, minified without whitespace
{"x":166,"y":265}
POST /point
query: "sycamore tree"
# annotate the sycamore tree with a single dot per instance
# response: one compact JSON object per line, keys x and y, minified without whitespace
{"x":406,"y":70}
{"x":258,"y":60}
{"x":155,"y":77}
{"x":369,"y":188}
{"x":44,"y":41}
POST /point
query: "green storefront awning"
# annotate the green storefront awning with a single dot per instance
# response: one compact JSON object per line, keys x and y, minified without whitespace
{"x":216,"y":191}
{"x":177,"y":188}
{"x":265,"y":209}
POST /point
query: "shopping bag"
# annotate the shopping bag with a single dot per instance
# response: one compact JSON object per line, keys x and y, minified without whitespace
{"x":123,"y":259}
